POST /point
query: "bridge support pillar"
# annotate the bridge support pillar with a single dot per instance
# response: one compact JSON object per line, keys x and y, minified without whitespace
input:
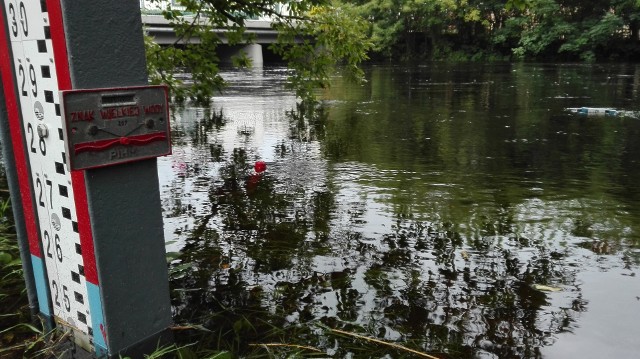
{"x":251,"y":51}
{"x":254,"y":52}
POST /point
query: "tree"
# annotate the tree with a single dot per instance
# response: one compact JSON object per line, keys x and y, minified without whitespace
{"x":411,"y":28}
{"x":314,"y":36}
{"x":568,"y":30}
{"x":588,"y":30}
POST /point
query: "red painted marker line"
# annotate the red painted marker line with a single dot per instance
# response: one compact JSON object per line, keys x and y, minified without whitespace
{"x":132,"y":140}
{"x":77,"y":177}
{"x":17,"y":136}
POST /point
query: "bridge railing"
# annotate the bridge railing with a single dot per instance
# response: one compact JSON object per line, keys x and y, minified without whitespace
{"x":151,"y":7}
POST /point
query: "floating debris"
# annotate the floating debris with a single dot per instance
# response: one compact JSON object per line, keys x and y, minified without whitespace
{"x":465,"y":255}
{"x":602,"y":111}
{"x":545,"y":288}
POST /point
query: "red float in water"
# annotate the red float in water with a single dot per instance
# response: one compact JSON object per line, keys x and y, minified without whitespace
{"x":260,"y":166}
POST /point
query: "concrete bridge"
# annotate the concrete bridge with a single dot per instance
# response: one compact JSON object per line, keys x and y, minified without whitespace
{"x":164,"y":34}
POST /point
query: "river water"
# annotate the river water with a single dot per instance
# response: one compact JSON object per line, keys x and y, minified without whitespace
{"x":455,"y":209}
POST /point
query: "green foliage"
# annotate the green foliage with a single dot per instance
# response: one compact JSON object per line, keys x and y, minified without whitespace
{"x":332,"y":34}
{"x":414,"y":26}
{"x":597,"y":34}
{"x":314,"y":37}
{"x":515,"y":4}
{"x":528,"y":29}
{"x":12,"y":294}
{"x":18,"y":338}
{"x":543,"y":30}
{"x":550,"y":28}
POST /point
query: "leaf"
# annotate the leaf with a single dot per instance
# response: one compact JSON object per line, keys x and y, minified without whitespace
{"x":221,"y":355}
{"x":192,"y":326}
{"x":545,"y":288}
{"x":25,"y":325}
{"x":8,"y":338}
{"x":237,"y":326}
{"x":5,"y":258}
{"x":171,"y":256}
{"x":180,"y":267}
{"x":515,"y":4}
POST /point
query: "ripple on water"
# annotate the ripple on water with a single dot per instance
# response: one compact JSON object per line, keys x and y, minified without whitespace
{"x":448,"y":242}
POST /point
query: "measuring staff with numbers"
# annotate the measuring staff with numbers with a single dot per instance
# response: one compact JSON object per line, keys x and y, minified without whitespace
{"x":75,"y":181}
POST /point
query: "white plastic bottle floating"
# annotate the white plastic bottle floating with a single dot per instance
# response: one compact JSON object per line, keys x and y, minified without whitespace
{"x":602,"y":111}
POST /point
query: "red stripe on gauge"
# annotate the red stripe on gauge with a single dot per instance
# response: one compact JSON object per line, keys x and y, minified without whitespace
{"x":61,"y":60}
{"x":139,"y":140}
{"x":59,"y":45}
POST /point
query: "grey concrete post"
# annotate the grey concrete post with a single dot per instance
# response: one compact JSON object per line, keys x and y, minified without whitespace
{"x":124,"y":201}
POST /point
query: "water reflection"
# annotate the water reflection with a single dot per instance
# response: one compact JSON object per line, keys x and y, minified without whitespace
{"x":454,"y":209}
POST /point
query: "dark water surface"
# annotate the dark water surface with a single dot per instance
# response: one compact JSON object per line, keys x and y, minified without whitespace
{"x":455,"y":209}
